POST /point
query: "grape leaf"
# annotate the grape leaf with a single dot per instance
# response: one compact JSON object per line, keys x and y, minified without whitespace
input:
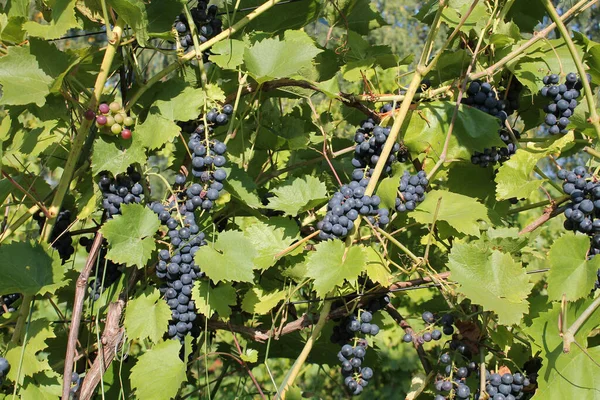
{"x":38,"y":332}
{"x":131,"y":235}
{"x":22,"y":79}
{"x":273,"y":58}
{"x":228,"y":54}
{"x":492,"y":279}
{"x":134,"y":14}
{"x":147,"y":316}
{"x":300,"y":195}
{"x":181,"y":105}
{"x":43,"y":386}
{"x":460,"y":212}
{"x":155,"y":131}
{"x":217,"y":299}
{"x":30,"y":268}
{"x":377,"y":270}
{"x":63,"y":19}
{"x":115,"y":156}
{"x":270,"y":238}
{"x":332,"y":263}
{"x":571,"y":273}
{"x":258,"y":301}
{"x":241,"y":186}
{"x":148,"y":376}
{"x":250,"y":355}
{"x":230,"y":258}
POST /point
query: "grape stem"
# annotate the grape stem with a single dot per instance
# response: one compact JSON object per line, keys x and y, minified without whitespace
{"x":566,"y":36}
{"x":569,"y":335}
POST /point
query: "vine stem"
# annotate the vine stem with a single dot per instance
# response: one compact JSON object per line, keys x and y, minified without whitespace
{"x":566,"y":36}
{"x":75,"y":152}
{"x":22,"y":318}
{"x":569,"y":335}
{"x":573,"y":11}
{"x":203,"y":47}
{"x":291,"y":376}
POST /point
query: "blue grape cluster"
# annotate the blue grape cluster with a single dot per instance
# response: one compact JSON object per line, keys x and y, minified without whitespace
{"x":345,"y":207}
{"x":207,"y":25}
{"x":506,"y":386}
{"x":370,"y":139}
{"x":411,"y":191}
{"x":583,"y":210}
{"x":430,"y":332}
{"x":458,"y":384}
{"x":482,"y":96}
{"x":563,"y":100}
{"x":125,"y":189}
{"x":178,"y":267}
{"x":351,"y":356}
{"x":206,"y":163}
{"x":104,"y":272}
{"x":75,"y":384}
{"x":495,"y":154}
{"x":60,"y":238}
{"x":7,"y":301}
{"x":4,"y":369}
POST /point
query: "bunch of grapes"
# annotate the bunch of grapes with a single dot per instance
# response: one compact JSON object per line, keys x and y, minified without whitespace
{"x":206,"y":163}
{"x":563,"y":100}
{"x":583,"y":210}
{"x":482,"y":96}
{"x":430,"y":333}
{"x":351,"y":356}
{"x":4,"y":369}
{"x":113,"y":118}
{"x":411,"y":191}
{"x":60,"y":238}
{"x":506,"y":386}
{"x":75,"y":384}
{"x":207,"y":25}
{"x":345,"y":207}
{"x":178,"y":268}
{"x":445,"y":386}
{"x":497,"y":155}
{"x":511,"y":94}
{"x":105,"y":272}
{"x":7,"y":301}
{"x":370,"y":139}
{"x":125,"y":189}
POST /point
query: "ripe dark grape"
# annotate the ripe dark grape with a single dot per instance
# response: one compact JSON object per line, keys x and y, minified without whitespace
{"x":104,"y":272}
{"x":412,"y":191}
{"x":370,"y":139}
{"x":206,"y":22}
{"x":60,"y":238}
{"x":482,"y":96}
{"x":563,"y":100}
{"x":4,"y":369}
{"x":495,"y":155}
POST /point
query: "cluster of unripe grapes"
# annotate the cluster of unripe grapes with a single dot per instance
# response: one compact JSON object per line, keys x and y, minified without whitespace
{"x":497,"y":155}
{"x":113,"y":118}
{"x":351,"y":356}
{"x":563,"y":100}
{"x":125,"y":189}
{"x":431,"y":333}
{"x":104,"y":273}
{"x":346,"y":206}
{"x":4,"y":369}
{"x":7,"y":301}
{"x":60,"y":237}
{"x":411,"y":191}
{"x":206,"y":21}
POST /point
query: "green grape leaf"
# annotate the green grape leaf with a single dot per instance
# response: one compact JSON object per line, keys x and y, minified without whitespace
{"x":155,"y":132}
{"x":241,"y":186}
{"x":230,"y":258}
{"x":30,"y":268}
{"x":427,"y":129}
{"x":258,"y":301}
{"x":273,"y":58}
{"x":270,"y":238}
{"x":569,"y":376}
{"x":184,"y":104}
{"x":116,"y":156}
{"x":460,"y":212}
{"x":38,"y":332}
{"x":492,"y":279}
{"x":299,"y":195}
{"x":131,"y":235}
{"x":332,"y":263}
{"x":42,"y":386}
{"x":23,"y":80}
{"x":210,"y":300}
{"x":147,"y":316}
{"x":377,"y":270}
{"x":228,"y":54}
{"x":148,"y":376}
{"x":387,"y":189}
{"x":571,"y":273}
{"x":63,"y":19}
{"x":250,"y":355}
{"x":134,"y":14}
{"x":11,"y":29}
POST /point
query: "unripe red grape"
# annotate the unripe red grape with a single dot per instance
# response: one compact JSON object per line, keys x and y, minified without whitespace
{"x":89,"y":115}
{"x":101,"y":120}
{"x":104,"y":109}
{"x":126,"y":134}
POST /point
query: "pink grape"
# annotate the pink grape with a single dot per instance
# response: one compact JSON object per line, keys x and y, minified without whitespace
{"x":104,"y":109}
{"x":101,"y":120}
